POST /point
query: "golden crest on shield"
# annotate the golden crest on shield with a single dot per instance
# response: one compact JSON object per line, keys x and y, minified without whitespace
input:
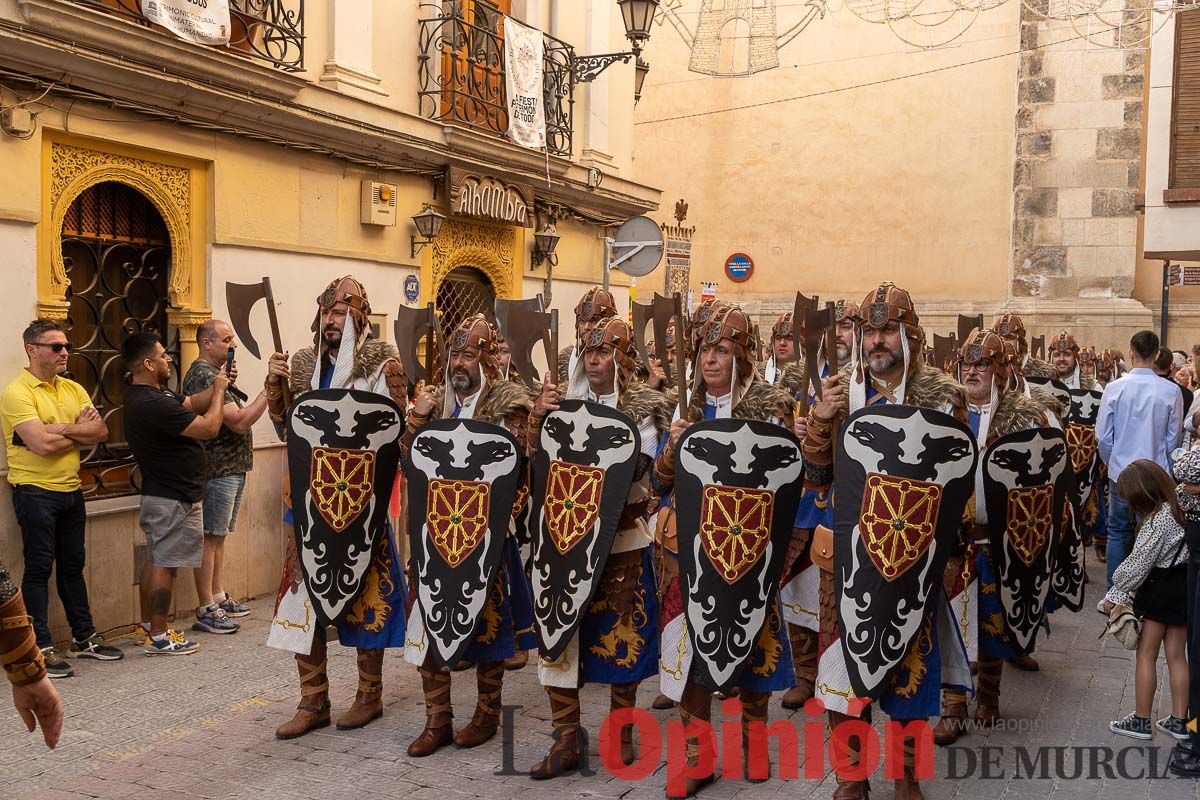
{"x":1081,"y":444}
{"x":341,"y":482}
{"x":735,"y":527}
{"x":572,"y":503}
{"x":456,"y":514}
{"x":898,"y":519}
{"x":1030,"y":521}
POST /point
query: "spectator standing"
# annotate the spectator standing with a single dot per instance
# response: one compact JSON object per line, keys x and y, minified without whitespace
{"x":164,"y":434}
{"x":1167,"y":366}
{"x":1152,"y":582}
{"x":46,"y":417}
{"x":229,"y":457}
{"x":1141,"y":416}
{"x":1185,"y":757}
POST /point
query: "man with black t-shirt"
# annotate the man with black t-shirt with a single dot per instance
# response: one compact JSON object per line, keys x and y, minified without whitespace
{"x":164,"y":434}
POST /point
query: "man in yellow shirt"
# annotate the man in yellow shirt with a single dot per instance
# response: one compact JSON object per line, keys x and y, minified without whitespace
{"x":45,"y":419}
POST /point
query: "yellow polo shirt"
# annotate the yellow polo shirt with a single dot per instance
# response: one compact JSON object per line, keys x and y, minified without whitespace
{"x":60,"y":402}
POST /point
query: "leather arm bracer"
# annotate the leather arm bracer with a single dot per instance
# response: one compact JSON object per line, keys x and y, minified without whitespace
{"x":19,"y":653}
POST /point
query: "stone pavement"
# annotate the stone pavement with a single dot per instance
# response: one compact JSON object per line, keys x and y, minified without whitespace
{"x":202,"y":727}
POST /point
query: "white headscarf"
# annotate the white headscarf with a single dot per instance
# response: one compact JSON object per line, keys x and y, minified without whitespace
{"x":343,"y":368}
{"x":861,"y":373}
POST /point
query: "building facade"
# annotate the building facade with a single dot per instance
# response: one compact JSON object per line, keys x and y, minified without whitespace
{"x":1000,"y":169}
{"x":140,"y":172}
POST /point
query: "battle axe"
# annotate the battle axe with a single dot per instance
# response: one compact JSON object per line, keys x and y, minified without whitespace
{"x":239,"y":300}
{"x":523,"y":324}
{"x":1037,"y":347}
{"x":643,"y":313}
{"x":817,"y":326}
{"x":943,"y":346}
{"x":411,"y":325}
{"x":967,"y":324}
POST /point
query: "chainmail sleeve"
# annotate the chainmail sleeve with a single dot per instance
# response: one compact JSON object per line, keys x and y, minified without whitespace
{"x":7,"y":589}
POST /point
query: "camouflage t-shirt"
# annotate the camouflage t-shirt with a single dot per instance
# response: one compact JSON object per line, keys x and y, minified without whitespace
{"x":230,"y":453}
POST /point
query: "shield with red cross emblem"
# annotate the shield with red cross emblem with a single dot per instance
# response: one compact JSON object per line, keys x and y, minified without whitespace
{"x":913,"y":469}
{"x":463,"y":476}
{"x":737,"y":487}
{"x":343,"y":453}
{"x":582,"y":474}
{"x":1027,"y":480}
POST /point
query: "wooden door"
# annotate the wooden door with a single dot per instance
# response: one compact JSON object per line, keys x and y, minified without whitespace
{"x":473,"y":68}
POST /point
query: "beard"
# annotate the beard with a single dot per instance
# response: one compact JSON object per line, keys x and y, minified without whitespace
{"x":463,"y":381}
{"x":333,"y":337}
{"x":843,"y":353}
{"x":882,"y":360}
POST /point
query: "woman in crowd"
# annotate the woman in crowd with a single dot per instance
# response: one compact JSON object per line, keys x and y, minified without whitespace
{"x":1153,"y":582}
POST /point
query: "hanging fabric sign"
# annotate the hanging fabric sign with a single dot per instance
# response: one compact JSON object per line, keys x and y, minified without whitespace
{"x":199,"y":21}
{"x":523,"y":53}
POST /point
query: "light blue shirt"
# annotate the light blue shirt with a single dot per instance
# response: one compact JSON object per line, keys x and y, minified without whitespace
{"x":1141,"y":416}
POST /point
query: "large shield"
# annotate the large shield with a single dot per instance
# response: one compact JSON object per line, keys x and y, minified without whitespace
{"x":463,"y":476}
{"x":1026,"y":480}
{"x":582,"y":473}
{"x":913,"y":469}
{"x":1053,"y":386}
{"x":1069,"y":570}
{"x":343,"y":453}
{"x":737,"y":487}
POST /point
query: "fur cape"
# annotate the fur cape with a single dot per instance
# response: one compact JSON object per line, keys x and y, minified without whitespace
{"x":1016,"y":412}
{"x":501,"y":400}
{"x":794,"y":377}
{"x":1036,"y":368}
{"x":1048,"y":402}
{"x":761,"y":402}
{"x":638,"y":401}
{"x":370,"y":357}
{"x":564,"y":366}
{"x":929,"y":387}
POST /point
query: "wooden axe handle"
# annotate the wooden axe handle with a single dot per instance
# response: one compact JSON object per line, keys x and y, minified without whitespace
{"x":680,"y":358}
{"x":276,"y":339}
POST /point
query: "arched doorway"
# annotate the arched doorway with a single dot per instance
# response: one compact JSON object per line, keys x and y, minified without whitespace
{"x":463,"y":292}
{"x":117,"y":255}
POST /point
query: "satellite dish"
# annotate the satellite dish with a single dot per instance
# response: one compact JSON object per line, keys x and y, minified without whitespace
{"x":637,"y":247}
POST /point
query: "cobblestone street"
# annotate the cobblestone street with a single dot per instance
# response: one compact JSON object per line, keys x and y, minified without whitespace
{"x":202,"y":727}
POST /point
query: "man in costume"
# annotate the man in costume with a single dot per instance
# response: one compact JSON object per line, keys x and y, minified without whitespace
{"x":1011,"y":328}
{"x":783,"y":368}
{"x":1088,"y":361}
{"x":890,"y":369}
{"x":36,"y":700}
{"x":473,"y":389}
{"x":596,"y":304}
{"x":343,"y":356}
{"x":618,"y":633}
{"x":1064,"y":352}
{"x":995,"y":408}
{"x":727,"y":386}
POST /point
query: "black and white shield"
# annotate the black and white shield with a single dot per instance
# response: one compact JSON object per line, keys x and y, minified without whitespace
{"x":582,"y":473}
{"x":343,"y":453}
{"x":1026,"y":480}
{"x":463,"y":476}
{"x":1053,"y":386}
{"x":737,"y":486}
{"x":903,"y":476}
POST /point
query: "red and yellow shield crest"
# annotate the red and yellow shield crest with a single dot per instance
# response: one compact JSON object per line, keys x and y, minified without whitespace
{"x":735,"y":527}
{"x":1030,"y":521}
{"x":898,"y":519}
{"x":457,"y":515}
{"x":342,"y":482}
{"x":1081,"y":443}
{"x":572,"y":503}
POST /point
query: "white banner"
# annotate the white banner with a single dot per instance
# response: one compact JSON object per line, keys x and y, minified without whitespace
{"x":199,"y":21}
{"x":523,"y":51}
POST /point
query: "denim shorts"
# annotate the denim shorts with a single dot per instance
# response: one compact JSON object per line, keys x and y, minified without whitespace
{"x":174,"y":537}
{"x":222,"y":498}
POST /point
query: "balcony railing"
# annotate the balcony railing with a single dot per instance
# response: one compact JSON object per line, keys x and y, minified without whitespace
{"x":461,"y":73}
{"x":267,"y":30}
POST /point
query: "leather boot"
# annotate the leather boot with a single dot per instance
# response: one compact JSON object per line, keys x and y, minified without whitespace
{"x":804,"y":661}
{"x":368,"y":701}
{"x":624,"y":695}
{"x":489,"y":678}
{"x":517,"y":660}
{"x":439,"y":731}
{"x":696,"y":703}
{"x":662,"y":702}
{"x":1026,"y":663}
{"x":848,"y":789}
{"x":755,"y":752}
{"x":908,"y":788}
{"x":987,"y":706}
{"x":565,"y":753}
{"x":313,"y":711}
{"x":953,"y":723}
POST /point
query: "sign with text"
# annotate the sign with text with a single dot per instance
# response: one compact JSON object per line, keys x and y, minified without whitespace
{"x":199,"y":21}
{"x":739,"y":267}
{"x":486,"y":197}
{"x":523,"y":54}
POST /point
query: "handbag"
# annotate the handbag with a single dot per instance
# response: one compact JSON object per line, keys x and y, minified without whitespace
{"x":1124,"y":627}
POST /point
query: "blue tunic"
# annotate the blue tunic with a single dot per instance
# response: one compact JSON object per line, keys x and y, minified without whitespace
{"x":622,"y":647}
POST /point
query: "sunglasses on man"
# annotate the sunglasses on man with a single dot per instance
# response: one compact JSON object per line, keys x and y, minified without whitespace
{"x":57,"y":347}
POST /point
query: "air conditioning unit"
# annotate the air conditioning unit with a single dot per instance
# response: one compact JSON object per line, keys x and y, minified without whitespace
{"x":378,"y":203}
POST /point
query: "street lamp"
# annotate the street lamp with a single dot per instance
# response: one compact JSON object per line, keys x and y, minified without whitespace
{"x":637,"y":16}
{"x":429,"y":225}
{"x":545,"y":242}
{"x":641,"y":68}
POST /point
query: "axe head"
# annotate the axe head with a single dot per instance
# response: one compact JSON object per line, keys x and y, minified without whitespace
{"x":1037,"y":347}
{"x":662,"y":311}
{"x":799,"y":318}
{"x":411,"y":325}
{"x":816,"y":324}
{"x":505,"y":307}
{"x":642,"y":314}
{"x":943,"y":349}
{"x":967,"y":324}
{"x":525,"y":324}
{"x":239,"y":300}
